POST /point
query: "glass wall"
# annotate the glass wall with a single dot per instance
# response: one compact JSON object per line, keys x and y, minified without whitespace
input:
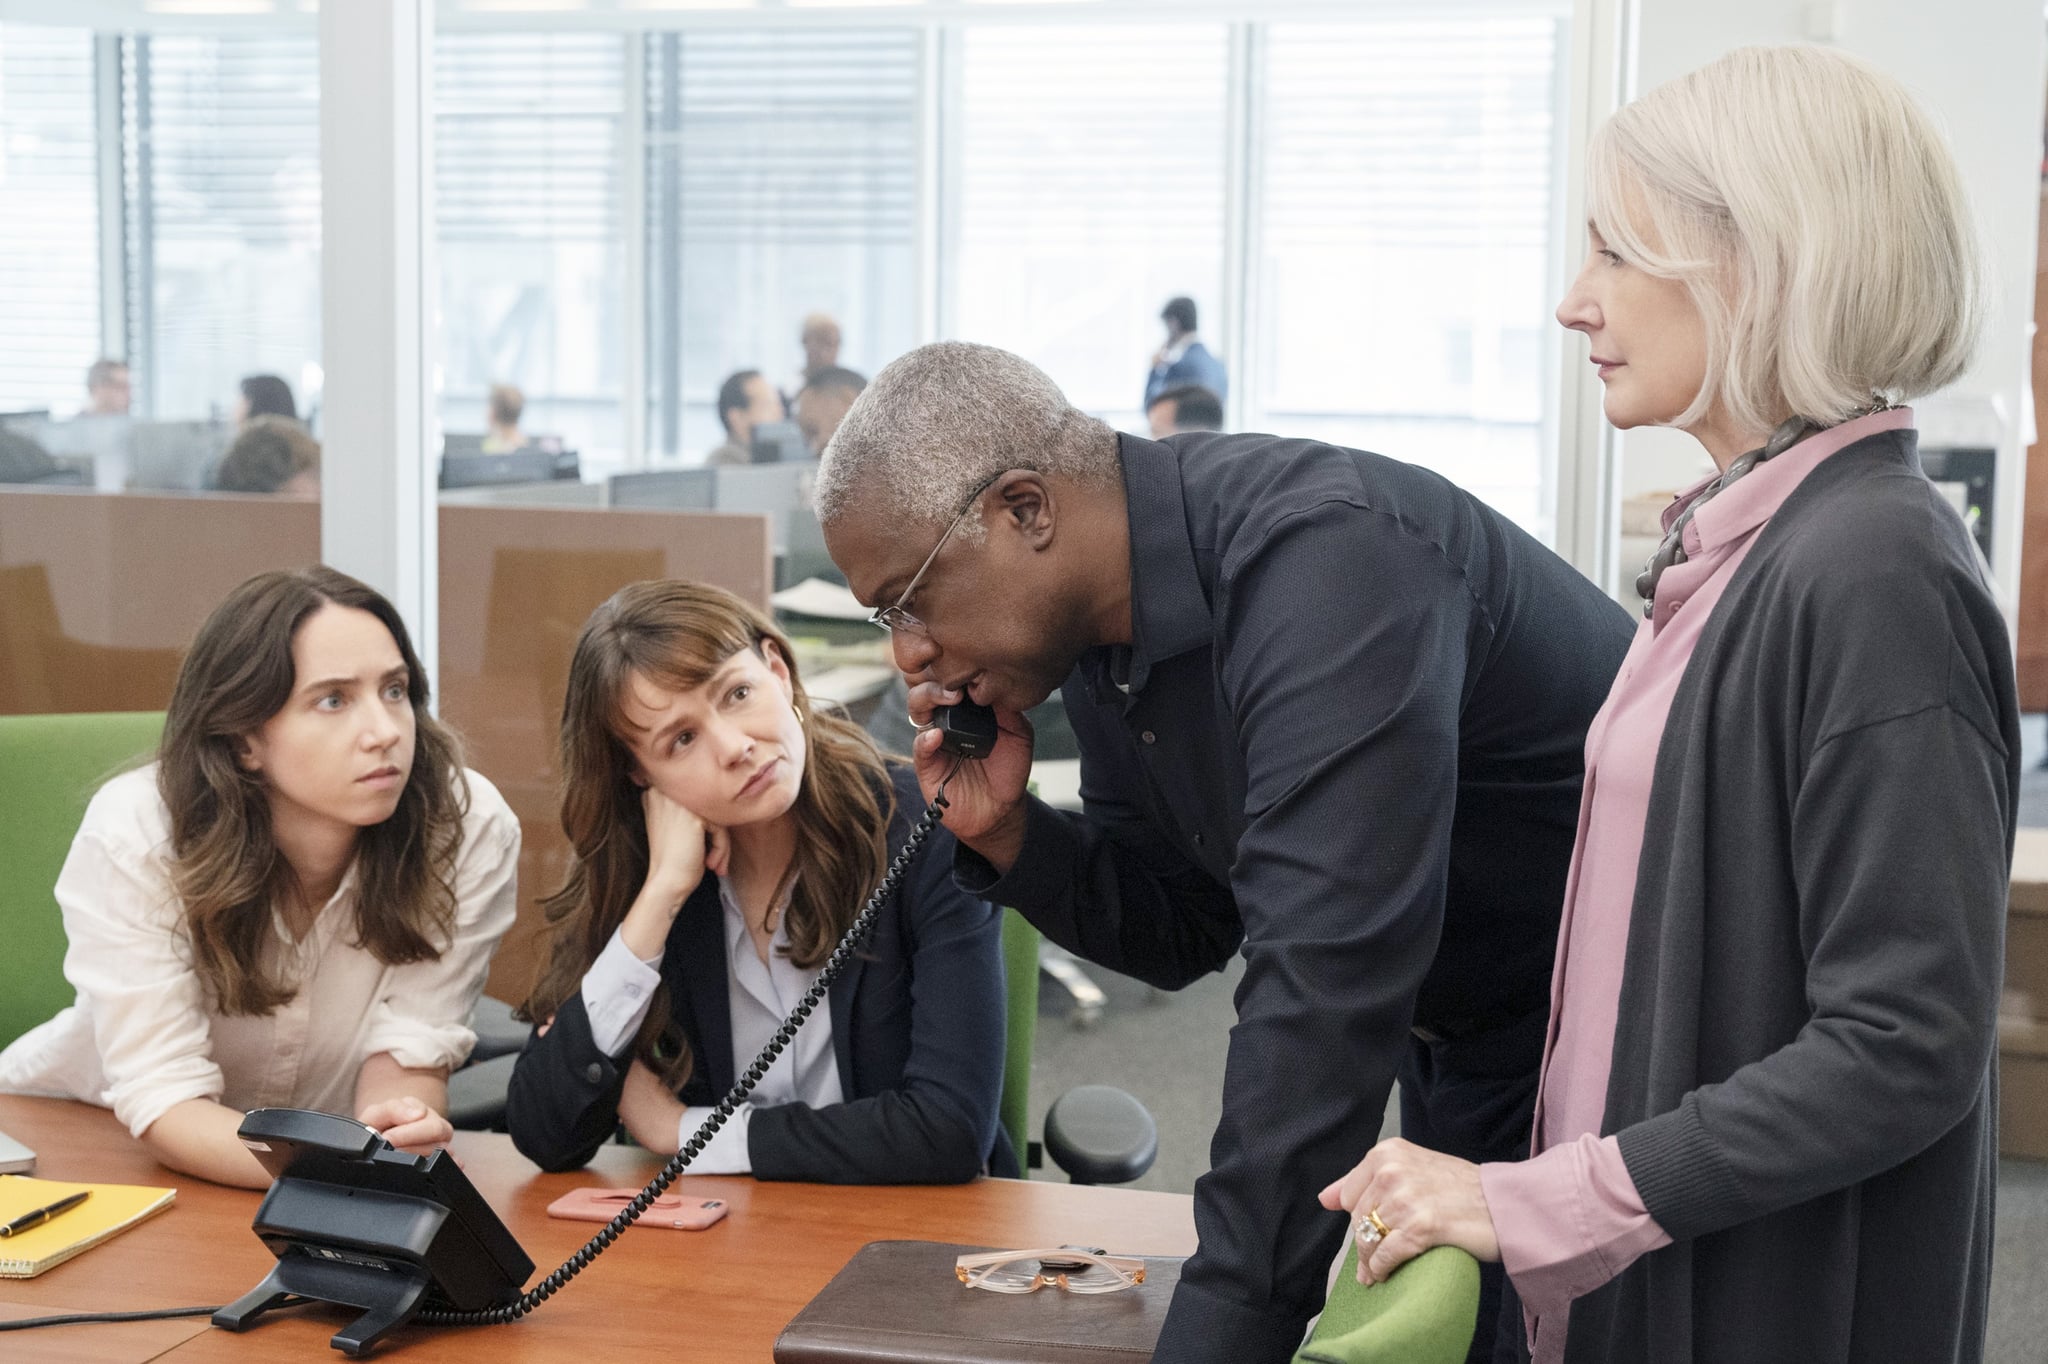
{"x":159,"y":241}
{"x":1403,"y":221}
{"x":49,"y":242}
{"x":1091,"y":174}
{"x":528,"y":134}
{"x":782,"y":181}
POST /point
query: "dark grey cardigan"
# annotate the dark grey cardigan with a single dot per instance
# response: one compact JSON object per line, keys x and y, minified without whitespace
{"x":1804,"y":1082}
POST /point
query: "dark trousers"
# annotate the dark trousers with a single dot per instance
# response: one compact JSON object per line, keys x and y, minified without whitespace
{"x":1474,"y":1097}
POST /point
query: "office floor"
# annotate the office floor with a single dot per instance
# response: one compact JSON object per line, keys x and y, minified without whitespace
{"x":1168,"y":1050}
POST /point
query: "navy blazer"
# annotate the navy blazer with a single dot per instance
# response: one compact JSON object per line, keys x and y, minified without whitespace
{"x":917,"y":1030}
{"x":1195,"y":366}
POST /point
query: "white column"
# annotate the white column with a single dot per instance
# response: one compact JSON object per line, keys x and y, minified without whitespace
{"x":1586,"y":497}
{"x":632,"y":167}
{"x":377,"y":285}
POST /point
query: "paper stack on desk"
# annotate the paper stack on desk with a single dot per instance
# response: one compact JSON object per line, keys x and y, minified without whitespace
{"x":112,"y":1209}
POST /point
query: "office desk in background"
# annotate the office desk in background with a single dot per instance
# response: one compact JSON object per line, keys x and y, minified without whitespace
{"x":716,"y":1295}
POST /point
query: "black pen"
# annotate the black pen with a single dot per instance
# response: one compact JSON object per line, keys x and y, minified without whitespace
{"x":42,"y":1215}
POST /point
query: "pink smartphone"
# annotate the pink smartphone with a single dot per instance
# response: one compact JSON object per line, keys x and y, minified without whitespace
{"x":670,"y":1211}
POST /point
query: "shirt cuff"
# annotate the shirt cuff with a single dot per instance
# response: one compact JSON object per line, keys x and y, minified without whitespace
{"x":1567,"y":1221}
{"x":726,"y":1153}
{"x":617,"y":990}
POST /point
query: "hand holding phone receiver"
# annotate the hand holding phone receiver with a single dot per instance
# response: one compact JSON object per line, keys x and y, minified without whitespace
{"x":966,"y":730}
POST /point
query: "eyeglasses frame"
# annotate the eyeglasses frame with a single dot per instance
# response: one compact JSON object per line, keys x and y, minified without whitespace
{"x":896,"y":615}
{"x":974,"y":1271}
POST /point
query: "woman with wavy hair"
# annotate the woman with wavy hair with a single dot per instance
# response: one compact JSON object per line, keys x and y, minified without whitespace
{"x":294,"y":905}
{"x":726,"y":835}
{"x":1766,"y":1125}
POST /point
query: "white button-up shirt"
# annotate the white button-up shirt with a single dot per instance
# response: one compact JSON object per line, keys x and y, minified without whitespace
{"x":619,"y":987}
{"x":142,"y":1036}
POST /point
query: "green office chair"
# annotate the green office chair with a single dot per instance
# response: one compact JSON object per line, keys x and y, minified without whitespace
{"x":1424,"y":1314}
{"x":50,"y":765}
{"x":1097,"y":1134}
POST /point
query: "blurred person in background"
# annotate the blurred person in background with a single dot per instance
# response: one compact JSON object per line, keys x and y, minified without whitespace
{"x":506,"y":405}
{"x":823,"y":404}
{"x":264,"y":395}
{"x":820,"y":340}
{"x":1180,"y":410}
{"x":271,"y":455}
{"x":1184,"y":361}
{"x":107,"y":392}
{"x":745,"y":400}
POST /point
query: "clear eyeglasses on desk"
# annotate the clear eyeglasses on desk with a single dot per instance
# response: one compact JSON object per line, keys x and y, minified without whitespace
{"x":1071,"y":1269}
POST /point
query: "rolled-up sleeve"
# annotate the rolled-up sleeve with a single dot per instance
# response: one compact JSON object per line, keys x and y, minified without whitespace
{"x":132,"y":968}
{"x":422,"y":1017}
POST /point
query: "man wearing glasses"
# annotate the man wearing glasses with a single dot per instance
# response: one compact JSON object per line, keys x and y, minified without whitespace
{"x":1330,"y":708}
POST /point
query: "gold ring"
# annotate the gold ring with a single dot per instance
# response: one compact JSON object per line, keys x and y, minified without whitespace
{"x":1371,"y":1230}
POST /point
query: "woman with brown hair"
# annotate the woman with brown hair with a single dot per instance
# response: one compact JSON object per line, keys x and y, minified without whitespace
{"x":294,"y":905}
{"x":726,"y":836}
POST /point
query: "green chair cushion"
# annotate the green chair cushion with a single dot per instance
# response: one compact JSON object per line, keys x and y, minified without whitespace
{"x":1424,"y":1314}
{"x":50,"y":765}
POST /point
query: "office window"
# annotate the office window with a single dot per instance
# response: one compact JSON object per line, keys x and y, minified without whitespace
{"x":532,"y":254}
{"x":221,"y":139}
{"x":782,"y":181}
{"x":49,"y":218}
{"x":1400,"y":292}
{"x":1091,"y":191}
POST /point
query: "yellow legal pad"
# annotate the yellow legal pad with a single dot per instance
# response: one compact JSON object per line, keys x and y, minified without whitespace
{"x":112,"y":1209}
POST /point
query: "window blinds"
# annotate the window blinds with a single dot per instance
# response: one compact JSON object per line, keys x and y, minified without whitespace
{"x":49,"y":217}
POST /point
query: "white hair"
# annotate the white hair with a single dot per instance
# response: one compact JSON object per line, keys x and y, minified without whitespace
{"x":1815,"y":217}
{"x":945,"y":419}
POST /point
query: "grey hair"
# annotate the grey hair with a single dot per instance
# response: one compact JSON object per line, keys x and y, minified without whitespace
{"x":1815,"y":217}
{"x":945,"y":419}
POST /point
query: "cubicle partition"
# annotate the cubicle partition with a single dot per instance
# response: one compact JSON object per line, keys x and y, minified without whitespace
{"x":780,"y":491}
{"x":517,"y":584}
{"x":100,"y":594}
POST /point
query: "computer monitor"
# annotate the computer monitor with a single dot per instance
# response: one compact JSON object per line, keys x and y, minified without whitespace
{"x":777,"y":443}
{"x":525,"y":465}
{"x":178,"y":456}
{"x":693,"y":489}
{"x":464,"y":446}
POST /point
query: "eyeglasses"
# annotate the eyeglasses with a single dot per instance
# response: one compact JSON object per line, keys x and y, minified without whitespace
{"x":896,"y":616}
{"x":1068,"y":1268}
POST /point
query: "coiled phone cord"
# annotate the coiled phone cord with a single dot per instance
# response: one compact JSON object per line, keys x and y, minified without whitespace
{"x":858,"y":930}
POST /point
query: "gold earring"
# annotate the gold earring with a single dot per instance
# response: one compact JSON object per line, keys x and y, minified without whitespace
{"x":797,"y":711}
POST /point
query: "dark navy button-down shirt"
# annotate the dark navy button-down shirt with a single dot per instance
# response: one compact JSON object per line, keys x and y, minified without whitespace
{"x":1348,"y":735}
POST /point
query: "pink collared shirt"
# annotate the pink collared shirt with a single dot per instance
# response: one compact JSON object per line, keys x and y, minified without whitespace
{"x":1569,"y":1218}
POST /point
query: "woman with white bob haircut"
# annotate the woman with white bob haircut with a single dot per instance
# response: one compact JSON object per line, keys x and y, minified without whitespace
{"x":1766,"y":1122}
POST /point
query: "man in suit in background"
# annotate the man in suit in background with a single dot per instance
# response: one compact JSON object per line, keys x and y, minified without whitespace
{"x":1184,"y":361}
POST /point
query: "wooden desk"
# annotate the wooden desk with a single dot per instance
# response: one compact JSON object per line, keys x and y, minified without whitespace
{"x":721,"y":1294}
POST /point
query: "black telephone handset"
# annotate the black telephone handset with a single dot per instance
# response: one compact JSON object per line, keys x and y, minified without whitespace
{"x":408,"y":1238}
{"x":966,"y":730}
